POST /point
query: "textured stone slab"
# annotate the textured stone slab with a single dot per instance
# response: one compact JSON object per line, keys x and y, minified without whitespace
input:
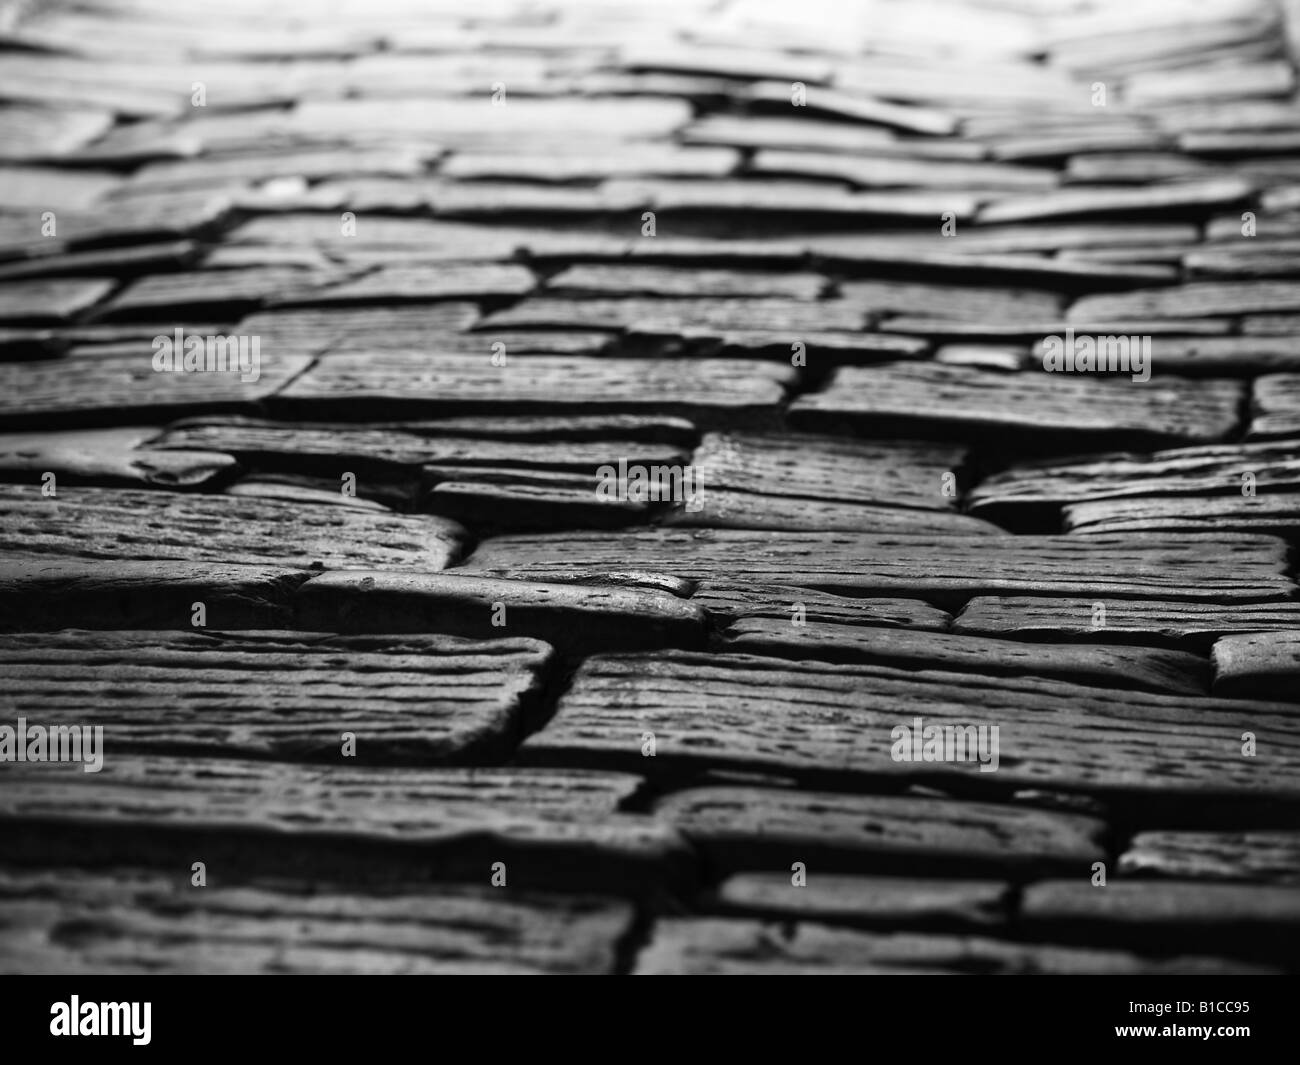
{"x":108,"y":456}
{"x":757,"y":198}
{"x":294,"y":928}
{"x":758,"y":828}
{"x":488,"y":432}
{"x":126,"y":388}
{"x":795,"y":316}
{"x":833,"y":725}
{"x":405,"y":383}
{"x":332,"y":448}
{"x":915,"y":397}
{"x":681,"y":282}
{"x":1034,"y":331}
{"x":468,"y":122}
{"x":1256,"y":856}
{"x":722,"y":946}
{"x":615,"y":161}
{"x":1273,"y":77}
{"x":312,"y":165}
{"x":340,"y":823}
{"x":1207,"y":568}
{"x":104,"y":523}
{"x":1195,"y":472}
{"x":729,"y":62}
{"x":432,"y":240}
{"x":948,"y":261}
{"x":426,"y":700}
{"x":110,"y":262}
{"x":875,"y":171}
{"x":998,"y":240}
{"x":1233,"y":264}
{"x":1275,"y":402}
{"x":1011,"y":357}
{"x":575,"y":617}
{"x":1275,"y":512}
{"x":758,"y":599}
{"x":54,"y":593}
{"x":1103,"y":667}
{"x":363,"y":329}
{"x":859,"y":107}
{"x":50,"y":299}
{"x":1246,"y":920}
{"x":763,"y":131}
{"x":903,"y":473}
{"x":78,"y":82}
{"x":523,"y":202}
{"x":729,"y":509}
{"x":1258,"y":665}
{"x":172,"y":219}
{"x":426,"y":281}
{"x":53,"y":188}
{"x":868,"y":901}
{"x":1234,"y":356}
{"x":30,"y":132}
{"x":819,"y":349}
{"x":1102,"y":200}
{"x":974,"y":302}
{"x":377,"y":495}
{"x":229,"y":291}
{"x":498,"y":498}
{"x":1162,"y":622}
{"x":1198,"y":299}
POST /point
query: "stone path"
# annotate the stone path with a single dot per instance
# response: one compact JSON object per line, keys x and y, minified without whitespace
{"x":396,"y":672}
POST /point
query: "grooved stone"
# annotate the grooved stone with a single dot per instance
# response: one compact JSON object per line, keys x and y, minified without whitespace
{"x":1105,"y":667}
{"x":342,"y":823}
{"x":730,"y":946}
{"x":836,"y":726}
{"x":108,"y":456}
{"x":76,"y":922}
{"x":577,"y":617}
{"x":1247,"y":920}
{"x":1259,"y":665}
{"x":1257,"y":856}
{"x":756,"y":828}
{"x":283,"y":695}
{"x":140,"y":525}
{"x":913,"y":397}
{"x":728,"y":602}
{"x":1225,"y":569}
{"x":40,"y":593}
{"x":1159,"y":622}
{"x":126,"y":388}
{"x":869,"y":901}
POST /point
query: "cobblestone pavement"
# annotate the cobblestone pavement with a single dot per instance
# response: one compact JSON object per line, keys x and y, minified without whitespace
{"x":649,"y":487}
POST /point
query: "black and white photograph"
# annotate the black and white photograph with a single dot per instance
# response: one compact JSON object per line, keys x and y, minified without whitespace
{"x":651,"y":487}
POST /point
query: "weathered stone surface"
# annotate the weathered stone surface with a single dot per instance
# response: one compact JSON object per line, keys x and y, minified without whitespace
{"x":340,"y":823}
{"x":46,"y":592}
{"x":756,"y":828}
{"x":1251,"y":856}
{"x":294,"y":929}
{"x":731,"y":946}
{"x":1159,"y":622}
{"x":837,"y":726}
{"x":918,"y":566}
{"x":1258,"y":665}
{"x":105,"y":524}
{"x":405,"y":700}
{"x":579,"y":618}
